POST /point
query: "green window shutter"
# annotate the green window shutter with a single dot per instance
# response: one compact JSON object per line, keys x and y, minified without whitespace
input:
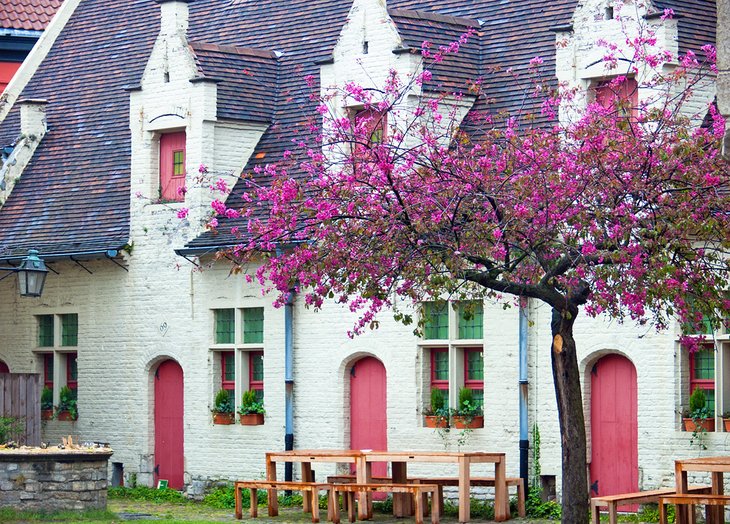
{"x":475,"y":365}
{"x":253,"y":325}
{"x":436,"y":321}
{"x":225,"y":326}
{"x":441,"y":365}
{"x":45,"y":330}
{"x":70,"y":330}
{"x":478,"y":396}
{"x":471,"y":319}
{"x":704,"y":364}
{"x":230,"y":366}
{"x":257,"y":367}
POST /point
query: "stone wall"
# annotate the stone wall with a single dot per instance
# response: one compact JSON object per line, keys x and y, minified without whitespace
{"x":52,"y":481}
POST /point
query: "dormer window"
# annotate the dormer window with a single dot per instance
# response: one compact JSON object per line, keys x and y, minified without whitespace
{"x":622,"y":97}
{"x":172,"y":167}
{"x":374,"y":122}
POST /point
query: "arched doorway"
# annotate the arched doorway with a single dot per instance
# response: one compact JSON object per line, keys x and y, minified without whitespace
{"x":614,"y":428}
{"x":368,"y":407}
{"x":169,"y":432}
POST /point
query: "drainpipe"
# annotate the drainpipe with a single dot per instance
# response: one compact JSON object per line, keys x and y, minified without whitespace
{"x":289,"y":380}
{"x":523,"y":383}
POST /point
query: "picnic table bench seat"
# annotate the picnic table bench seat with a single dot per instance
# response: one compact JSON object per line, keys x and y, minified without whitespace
{"x":690,"y":499}
{"x":448,"y":481}
{"x":419,"y":492}
{"x":639,"y":497}
{"x":308,"y":489}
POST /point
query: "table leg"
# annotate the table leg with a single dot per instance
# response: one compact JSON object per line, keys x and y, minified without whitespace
{"x":716,"y":514}
{"x":273,"y":499}
{"x":401,"y":501}
{"x":680,"y":477}
{"x":306,"y":477}
{"x":501,"y":500}
{"x":465,"y":489}
{"x":363,"y":474}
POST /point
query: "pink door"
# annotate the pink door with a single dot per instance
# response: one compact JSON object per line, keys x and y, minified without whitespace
{"x":368,"y":420}
{"x":614,"y":430}
{"x":4,"y":367}
{"x":169,"y":453}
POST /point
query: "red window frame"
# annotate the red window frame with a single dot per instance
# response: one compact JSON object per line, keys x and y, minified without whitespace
{"x":438,"y":383}
{"x":72,"y":383}
{"x":256,"y":385}
{"x":702,"y":383}
{"x":628,"y":91}
{"x":474,"y":384}
{"x":228,"y":385}
{"x":48,"y":370}
{"x":171,"y":184}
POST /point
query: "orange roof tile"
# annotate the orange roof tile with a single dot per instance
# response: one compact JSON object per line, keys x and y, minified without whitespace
{"x":32,"y":15}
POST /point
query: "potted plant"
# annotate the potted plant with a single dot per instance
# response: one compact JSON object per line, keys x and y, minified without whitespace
{"x":251,"y":411}
{"x":437,"y":414}
{"x":223,"y":408}
{"x":469,"y":414}
{"x":698,"y":418}
{"x":47,"y":403}
{"x":726,"y":421}
{"x":66,"y":409}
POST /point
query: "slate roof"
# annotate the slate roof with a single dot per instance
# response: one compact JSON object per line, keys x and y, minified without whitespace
{"x":245,"y":77}
{"x":75,"y":192}
{"x":30,"y":15}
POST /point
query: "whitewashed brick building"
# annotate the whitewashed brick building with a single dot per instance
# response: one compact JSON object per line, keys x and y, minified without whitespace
{"x":132,"y":97}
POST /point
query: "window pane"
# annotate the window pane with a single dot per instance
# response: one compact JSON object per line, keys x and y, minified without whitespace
{"x":440,"y":365}
{"x":436,"y":321}
{"x":229,"y":366}
{"x":478,"y":396}
{"x":704,"y":367}
{"x":257,"y":367}
{"x":470,"y":320}
{"x":224,"y":326}
{"x":71,"y":363}
{"x":475,"y":365}
{"x":710,"y":400}
{"x":259,"y":395}
{"x":45,"y":330}
{"x":178,"y":162}
{"x":253,"y":325}
{"x":48,"y":369}
{"x":70,"y":330}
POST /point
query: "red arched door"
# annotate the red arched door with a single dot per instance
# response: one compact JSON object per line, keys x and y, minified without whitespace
{"x":4,"y":367}
{"x":169,"y":451}
{"x":368,"y":419}
{"x":614,"y":429}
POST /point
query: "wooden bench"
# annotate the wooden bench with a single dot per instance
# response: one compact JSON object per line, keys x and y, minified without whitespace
{"x":640,"y":497}
{"x":350,"y":489}
{"x":691,"y":499}
{"x":447,"y":481}
{"x":308,"y":489}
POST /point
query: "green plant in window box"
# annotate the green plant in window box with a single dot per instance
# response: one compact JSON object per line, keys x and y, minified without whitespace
{"x":46,"y":403}
{"x":699,"y":419}
{"x":66,"y":409}
{"x":251,"y":411}
{"x":468,"y":414}
{"x":223,"y":408}
{"x":437,"y":414}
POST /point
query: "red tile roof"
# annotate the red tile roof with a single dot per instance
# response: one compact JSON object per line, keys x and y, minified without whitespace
{"x":32,"y":15}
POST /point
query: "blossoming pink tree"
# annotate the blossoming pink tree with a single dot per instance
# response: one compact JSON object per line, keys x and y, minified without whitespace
{"x":623,"y":212}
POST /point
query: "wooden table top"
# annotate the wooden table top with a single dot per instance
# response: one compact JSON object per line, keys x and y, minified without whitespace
{"x":350,"y":455}
{"x":704,"y":464}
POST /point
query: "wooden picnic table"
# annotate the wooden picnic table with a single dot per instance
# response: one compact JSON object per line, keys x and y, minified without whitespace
{"x":717,"y":467}
{"x":363,"y":460}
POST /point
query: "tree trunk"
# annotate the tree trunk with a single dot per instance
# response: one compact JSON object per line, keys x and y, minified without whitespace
{"x":570,"y":413}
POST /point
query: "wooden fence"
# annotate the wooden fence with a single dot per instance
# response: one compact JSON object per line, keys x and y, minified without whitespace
{"x":20,"y":396}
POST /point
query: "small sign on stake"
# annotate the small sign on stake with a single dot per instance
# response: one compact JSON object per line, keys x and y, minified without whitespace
{"x":161,"y":484}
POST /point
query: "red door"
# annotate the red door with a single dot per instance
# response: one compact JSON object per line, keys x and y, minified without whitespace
{"x":4,"y":367}
{"x":368,"y":419}
{"x":169,"y":453}
{"x":614,"y":429}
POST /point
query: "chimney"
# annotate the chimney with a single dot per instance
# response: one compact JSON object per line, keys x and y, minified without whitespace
{"x":173,"y":16}
{"x":33,"y":118}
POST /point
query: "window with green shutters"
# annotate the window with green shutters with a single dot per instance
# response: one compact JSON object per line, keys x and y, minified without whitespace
{"x":435,"y":320}
{"x":474,"y":373}
{"x":702,"y":374}
{"x":253,"y":325}
{"x":45,"y":331}
{"x":70,"y":330}
{"x":440,"y":371}
{"x":225,"y":326}
{"x":256,"y":370}
{"x":471,"y":318}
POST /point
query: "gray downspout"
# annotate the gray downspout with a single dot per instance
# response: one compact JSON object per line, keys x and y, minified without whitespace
{"x":523,"y":383}
{"x":289,"y":380}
